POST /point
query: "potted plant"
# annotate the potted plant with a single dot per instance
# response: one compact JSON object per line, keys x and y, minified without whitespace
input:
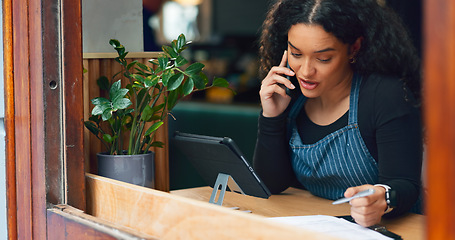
{"x":140,"y":108}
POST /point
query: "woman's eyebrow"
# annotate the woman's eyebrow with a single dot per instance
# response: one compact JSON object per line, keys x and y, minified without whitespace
{"x":319,"y":51}
{"x":325,"y":50}
{"x":290,"y":44}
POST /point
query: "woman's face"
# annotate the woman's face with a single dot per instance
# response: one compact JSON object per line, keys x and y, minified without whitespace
{"x":319,"y":59}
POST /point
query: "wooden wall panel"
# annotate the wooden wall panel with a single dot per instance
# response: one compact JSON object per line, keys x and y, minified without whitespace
{"x":73,"y":103}
{"x":8,"y":67}
{"x":37,"y":128}
{"x":439,"y":93}
{"x":104,"y":64}
{"x":22,"y":119}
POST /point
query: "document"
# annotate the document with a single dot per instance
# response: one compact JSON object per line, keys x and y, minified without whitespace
{"x":333,"y":226}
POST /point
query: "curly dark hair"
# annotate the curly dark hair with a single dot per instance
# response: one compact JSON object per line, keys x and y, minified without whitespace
{"x":386,"y":47}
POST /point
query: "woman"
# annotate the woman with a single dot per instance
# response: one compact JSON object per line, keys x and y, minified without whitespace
{"x":351,"y":120}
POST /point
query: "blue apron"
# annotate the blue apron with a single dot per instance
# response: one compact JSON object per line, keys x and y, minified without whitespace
{"x":338,"y":161}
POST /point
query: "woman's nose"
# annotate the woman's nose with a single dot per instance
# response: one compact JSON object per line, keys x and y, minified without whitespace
{"x":307,"y":69}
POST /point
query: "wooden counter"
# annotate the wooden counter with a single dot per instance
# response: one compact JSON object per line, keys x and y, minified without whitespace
{"x":161,"y":215}
{"x":296,"y":202}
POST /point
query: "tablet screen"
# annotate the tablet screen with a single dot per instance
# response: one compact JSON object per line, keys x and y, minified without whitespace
{"x":213,"y":155}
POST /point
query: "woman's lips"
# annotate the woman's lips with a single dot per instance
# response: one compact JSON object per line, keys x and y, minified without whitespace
{"x":309,"y":85}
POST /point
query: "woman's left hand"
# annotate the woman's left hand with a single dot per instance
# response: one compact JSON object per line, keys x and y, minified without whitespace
{"x":367,"y":211}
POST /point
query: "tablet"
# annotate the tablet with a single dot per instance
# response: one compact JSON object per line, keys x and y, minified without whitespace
{"x":213,"y":155}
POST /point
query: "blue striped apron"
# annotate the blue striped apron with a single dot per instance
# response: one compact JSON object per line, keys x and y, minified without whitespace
{"x":338,"y":161}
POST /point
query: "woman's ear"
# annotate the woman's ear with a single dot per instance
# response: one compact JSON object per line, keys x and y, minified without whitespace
{"x":355,"y":47}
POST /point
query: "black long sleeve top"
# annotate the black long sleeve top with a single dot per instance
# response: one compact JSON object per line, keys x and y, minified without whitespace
{"x":390,"y":125}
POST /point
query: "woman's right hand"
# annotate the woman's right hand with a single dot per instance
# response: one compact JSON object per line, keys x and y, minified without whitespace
{"x":274,"y":99}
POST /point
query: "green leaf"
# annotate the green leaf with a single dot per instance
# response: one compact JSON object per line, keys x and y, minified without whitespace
{"x":99,"y":101}
{"x":97,"y":110}
{"x":188,"y":86}
{"x":122,"y":54}
{"x":140,"y":95}
{"x":158,"y":69}
{"x":175,"y":81}
{"x":174,"y":45}
{"x":155,"y":117}
{"x":138,"y":77}
{"x":137,"y":85}
{"x":206,"y":79}
{"x":100,"y":108}
{"x":165,"y":77}
{"x":119,"y":94}
{"x":172,"y":100}
{"x":145,"y":98}
{"x":183,"y":48}
{"x":140,"y":72}
{"x":146,"y":139}
{"x":92,"y":127}
{"x":154,"y":62}
{"x":180,"y":61}
{"x":114,"y":89}
{"x":95,"y":119}
{"x":127,"y":121}
{"x":199,"y":81}
{"x":108,"y":138}
{"x":114,"y":43}
{"x":163,"y":61}
{"x":128,"y":111}
{"x":151,"y":81}
{"x":121,"y":103}
{"x":181,"y":41}
{"x":157,"y":144}
{"x":131,"y":64}
{"x":153,"y":128}
{"x":107,"y":114}
{"x":158,"y":108}
{"x":170,"y":51}
{"x":144,"y":67}
{"x":147,"y":113}
{"x":194,"y":68}
{"x":130,"y":88}
{"x":220,"y":82}
{"x":103,"y":83}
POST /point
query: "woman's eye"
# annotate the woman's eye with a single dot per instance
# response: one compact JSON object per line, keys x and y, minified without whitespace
{"x":324,"y":59}
{"x":296,"y":54}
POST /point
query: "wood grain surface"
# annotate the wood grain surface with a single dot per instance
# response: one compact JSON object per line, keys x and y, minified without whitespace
{"x":168,"y":216}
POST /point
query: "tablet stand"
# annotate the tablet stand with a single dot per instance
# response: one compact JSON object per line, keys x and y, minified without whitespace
{"x":223,"y":181}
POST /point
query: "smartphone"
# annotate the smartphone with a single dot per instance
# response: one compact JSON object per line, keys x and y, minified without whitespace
{"x":288,"y":91}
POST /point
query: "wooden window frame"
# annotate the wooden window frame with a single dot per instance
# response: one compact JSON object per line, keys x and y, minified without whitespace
{"x":439,"y":111}
{"x":43,"y":76}
{"x":38,"y":178}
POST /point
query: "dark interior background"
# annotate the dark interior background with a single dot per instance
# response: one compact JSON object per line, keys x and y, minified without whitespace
{"x":232,"y":52}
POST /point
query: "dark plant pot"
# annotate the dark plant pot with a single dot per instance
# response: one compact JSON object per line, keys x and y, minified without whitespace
{"x":136,"y":169}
